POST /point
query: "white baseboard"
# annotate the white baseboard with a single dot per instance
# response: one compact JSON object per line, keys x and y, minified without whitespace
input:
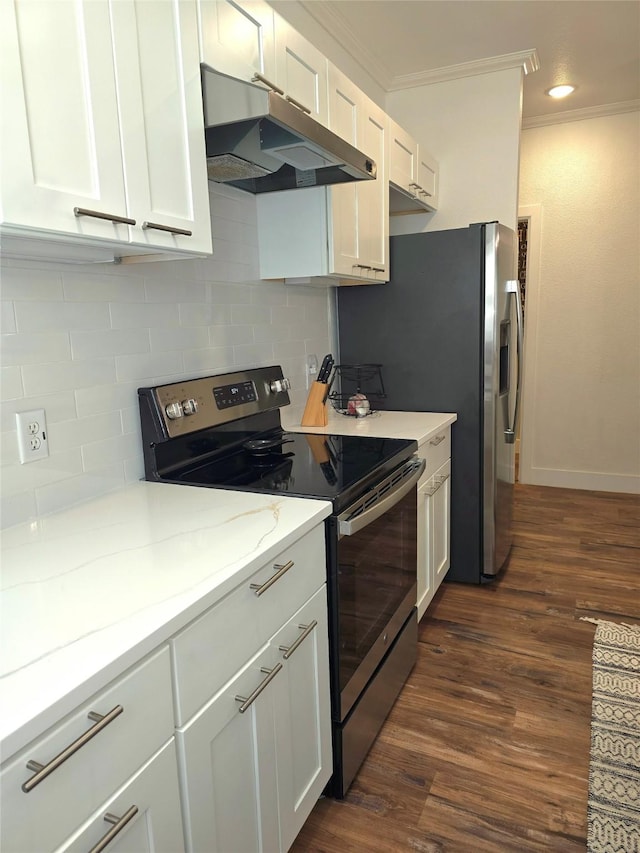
{"x":588,"y":480}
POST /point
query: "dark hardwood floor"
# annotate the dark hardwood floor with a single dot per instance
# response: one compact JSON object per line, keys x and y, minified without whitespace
{"x":487,"y":748}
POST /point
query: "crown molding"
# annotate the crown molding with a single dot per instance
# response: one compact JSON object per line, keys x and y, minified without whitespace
{"x":579,"y":115}
{"x":336,"y":25}
{"x":526,"y":59}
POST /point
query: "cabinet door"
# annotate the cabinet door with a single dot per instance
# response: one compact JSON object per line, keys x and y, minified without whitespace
{"x":61,"y":147}
{"x":373,"y":196}
{"x":155,"y":826}
{"x":427,"y":178}
{"x":303,"y":715}
{"x":162,"y":123}
{"x":359,"y":235}
{"x":403,"y":158}
{"x":301,"y":70}
{"x":440,"y":523}
{"x":228,"y":765}
{"x":237,"y":37}
{"x":426,"y":588}
{"x":345,"y":101}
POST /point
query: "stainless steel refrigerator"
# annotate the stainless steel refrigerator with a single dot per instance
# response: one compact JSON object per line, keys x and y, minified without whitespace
{"x":447,"y":330}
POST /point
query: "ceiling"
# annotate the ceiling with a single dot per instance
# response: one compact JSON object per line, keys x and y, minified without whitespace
{"x":593,"y":44}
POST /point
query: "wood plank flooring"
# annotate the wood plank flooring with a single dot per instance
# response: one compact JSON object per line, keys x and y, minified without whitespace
{"x":487,"y":748}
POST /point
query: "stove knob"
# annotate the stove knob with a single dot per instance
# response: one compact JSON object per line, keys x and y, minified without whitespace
{"x":174,"y":411}
{"x":189,"y":407}
{"x":280,"y":385}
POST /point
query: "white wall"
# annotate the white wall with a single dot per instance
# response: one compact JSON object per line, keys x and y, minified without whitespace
{"x":472,"y":127}
{"x":581,"y":425}
{"x":79,"y":340}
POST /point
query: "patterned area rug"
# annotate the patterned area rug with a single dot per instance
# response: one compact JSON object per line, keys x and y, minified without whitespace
{"x":614,"y":768}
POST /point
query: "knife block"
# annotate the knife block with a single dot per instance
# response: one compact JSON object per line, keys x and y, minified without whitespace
{"x":315,"y":412}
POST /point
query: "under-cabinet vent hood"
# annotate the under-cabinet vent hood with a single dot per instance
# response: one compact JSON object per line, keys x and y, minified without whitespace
{"x":259,"y":141}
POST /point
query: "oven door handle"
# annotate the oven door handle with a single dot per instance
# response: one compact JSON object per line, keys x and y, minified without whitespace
{"x":348,"y":527}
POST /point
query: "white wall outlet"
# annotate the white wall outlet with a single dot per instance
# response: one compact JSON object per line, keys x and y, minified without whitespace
{"x":312,"y":369}
{"x":33,"y":441}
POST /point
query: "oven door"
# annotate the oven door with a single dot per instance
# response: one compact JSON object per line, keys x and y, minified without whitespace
{"x":373,"y":580}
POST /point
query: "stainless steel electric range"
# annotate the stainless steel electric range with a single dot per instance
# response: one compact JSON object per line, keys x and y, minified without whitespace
{"x":225,"y":432}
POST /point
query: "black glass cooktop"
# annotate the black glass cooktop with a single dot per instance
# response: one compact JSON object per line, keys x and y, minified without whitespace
{"x":336,"y":468}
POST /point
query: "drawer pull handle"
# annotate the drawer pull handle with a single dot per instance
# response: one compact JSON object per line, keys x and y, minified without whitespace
{"x":181,"y":231}
{"x":437,"y":440}
{"x":440,"y":480}
{"x":43,"y":770}
{"x":289,"y":650}
{"x":259,"y":588}
{"x":96,"y":214}
{"x":298,"y":104}
{"x":249,"y":700}
{"x":119,"y":824}
{"x":259,"y":78}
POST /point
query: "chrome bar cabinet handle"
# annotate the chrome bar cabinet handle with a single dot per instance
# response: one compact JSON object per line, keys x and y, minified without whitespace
{"x":307,"y":629}
{"x":298,"y":104}
{"x":247,"y":701}
{"x":260,"y":78}
{"x":158,"y":227}
{"x":119,"y":824}
{"x":96,"y":214}
{"x":43,"y":770}
{"x":259,"y":588}
{"x":437,"y":440}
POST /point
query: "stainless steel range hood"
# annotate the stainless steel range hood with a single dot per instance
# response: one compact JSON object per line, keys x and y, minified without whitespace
{"x":259,"y":141}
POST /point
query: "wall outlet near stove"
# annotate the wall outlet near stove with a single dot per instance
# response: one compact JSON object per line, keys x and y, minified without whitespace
{"x":33,"y":442}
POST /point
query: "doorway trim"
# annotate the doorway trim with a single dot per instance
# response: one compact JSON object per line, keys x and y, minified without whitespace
{"x":526,"y":431}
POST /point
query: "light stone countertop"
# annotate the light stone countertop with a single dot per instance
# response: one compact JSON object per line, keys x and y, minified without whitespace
{"x":420,"y":426}
{"x":85,"y":593}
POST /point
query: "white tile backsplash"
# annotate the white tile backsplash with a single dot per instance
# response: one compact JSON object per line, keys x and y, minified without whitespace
{"x":78,"y":342}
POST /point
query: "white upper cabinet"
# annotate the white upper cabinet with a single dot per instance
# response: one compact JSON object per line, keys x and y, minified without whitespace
{"x":106,"y":138}
{"x":301,"y":71}
{"x":248,"y":40}
{"x":341,"y":231}
{"x":360,"y":210}
{"x":413,"y":173}
{"x":237,"y":38}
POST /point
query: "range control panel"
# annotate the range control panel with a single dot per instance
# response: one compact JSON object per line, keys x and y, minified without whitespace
{"x":195,"y":404}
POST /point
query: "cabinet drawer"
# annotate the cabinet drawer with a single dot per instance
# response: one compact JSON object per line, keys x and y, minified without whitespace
{"x":436,"y":450}
{"x":156,"y":825}
{"x":52,"y":810}
{"x":218,"y":644}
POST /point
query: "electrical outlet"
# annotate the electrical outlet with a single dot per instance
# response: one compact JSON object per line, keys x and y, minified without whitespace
{"x":312,"y":369}
{"x":32,"y":435}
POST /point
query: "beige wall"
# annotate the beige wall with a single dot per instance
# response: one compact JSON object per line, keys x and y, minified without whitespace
{"x":472,"y":127}
{"x":581,"y":425}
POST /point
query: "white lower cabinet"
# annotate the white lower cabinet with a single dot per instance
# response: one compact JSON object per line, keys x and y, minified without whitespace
{"x":219,"y":741}
{"x":114,"y":744}
{"x":255,"y":759}
{"x":434,"y":517}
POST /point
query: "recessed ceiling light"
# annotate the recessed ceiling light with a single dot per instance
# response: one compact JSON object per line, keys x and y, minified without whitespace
{"x":560,"y":91}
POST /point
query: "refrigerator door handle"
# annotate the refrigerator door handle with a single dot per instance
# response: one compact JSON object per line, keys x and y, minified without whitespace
{"x":513,"y":287}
